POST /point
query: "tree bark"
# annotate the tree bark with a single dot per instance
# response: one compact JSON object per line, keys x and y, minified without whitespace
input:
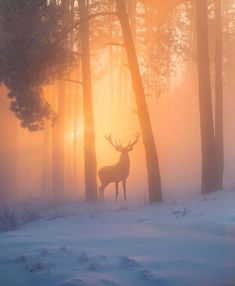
{"x":219,"y":95}
{"x":59,"y":133}
{"x":154,"y":179}
{"x":89,"y":130}
{"x":58,"y":145}
{"x":8,"y":152}
{"x":75,"y":144}
{"x":208,"y":175}
{"x":46,"y":170}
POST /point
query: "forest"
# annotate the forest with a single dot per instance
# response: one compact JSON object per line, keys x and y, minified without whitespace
{"x":71,"y":74}
{"x":118,"y":100}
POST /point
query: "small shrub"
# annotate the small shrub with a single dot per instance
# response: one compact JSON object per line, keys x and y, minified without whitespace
{"x":29,"y":215}
{"x":8,"y":218}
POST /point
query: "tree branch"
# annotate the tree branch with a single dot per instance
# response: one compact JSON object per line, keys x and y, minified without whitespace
{"x":71,"y":80}
{"x":114,"y":44}
{"x":79,"y":22}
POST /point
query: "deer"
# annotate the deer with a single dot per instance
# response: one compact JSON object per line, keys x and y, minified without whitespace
{"x":118,"y":172}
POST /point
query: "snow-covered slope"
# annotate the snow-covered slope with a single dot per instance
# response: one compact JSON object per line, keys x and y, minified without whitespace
{"x":183,"y":242}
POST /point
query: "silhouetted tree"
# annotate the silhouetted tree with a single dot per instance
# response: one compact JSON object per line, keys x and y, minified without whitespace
{"x":208,"y":176}
{"x":30,"y":56}
{"x":8,"y":152}
{"x":90,"y":167}
{"x":154,"y":179}
{"x":219,"y":144}
{"x":59,"y":130}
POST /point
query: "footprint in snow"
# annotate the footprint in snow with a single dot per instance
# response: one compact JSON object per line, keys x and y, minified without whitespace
{"x":83,"y":258}
{"x":103,"y":257}
{"x":92,"y":216}
{"x":94,"y":266}
{"x":107,"y":282}
{"x":121,"y":209}
{"x":20,"y":259}
{"x":142,"y":220}
{"x":36,"y":267}
{"x":76,"y":282}
{"x":147,"y":275}
{"x":128,"y":262}
{"x":63,"y":248}
{"x":44,"y":252}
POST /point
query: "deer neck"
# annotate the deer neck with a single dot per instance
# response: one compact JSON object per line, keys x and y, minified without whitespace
{"x":124,"y":160}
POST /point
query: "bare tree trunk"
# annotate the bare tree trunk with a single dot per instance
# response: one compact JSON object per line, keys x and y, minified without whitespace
{"x":89,"y":130}
{"x":58,"y":145}
{"x":46,"y":171}
{"x":8,"y":152}
{"x":219,"y":95}
{"x":205,"y":100}
{"x":58,"y":139}
{"x":154,"y":179}
{"x":8,"y":167}
{"x":75,"y":144}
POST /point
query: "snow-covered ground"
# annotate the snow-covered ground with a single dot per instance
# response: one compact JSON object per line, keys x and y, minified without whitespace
{"x":183,"y":242}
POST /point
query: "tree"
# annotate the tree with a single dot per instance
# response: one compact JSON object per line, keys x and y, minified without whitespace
{"x":59,"y":130}
{"x":8,"y":152}
{"x":219,"y":145}
{"x":89,"y":133}
{"x":58,"y":146}
{"x":30,"y":57}
{"x":208,"y":176}
{"x":153,"y":172}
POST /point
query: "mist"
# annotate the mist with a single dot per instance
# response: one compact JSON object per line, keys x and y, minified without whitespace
{"x":117,"y":142}
{"x":175,"y":121}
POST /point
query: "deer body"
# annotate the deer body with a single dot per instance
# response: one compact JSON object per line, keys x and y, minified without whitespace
{"x":116,"y":173}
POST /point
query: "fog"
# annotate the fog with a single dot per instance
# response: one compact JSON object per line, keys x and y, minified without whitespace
{"x":26,"y":157}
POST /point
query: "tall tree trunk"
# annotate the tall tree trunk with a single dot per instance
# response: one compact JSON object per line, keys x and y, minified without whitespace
{"x":208,"y":183}
{"x":219,"y":95}
{"x":89,"y":130}
{"x":154,"y":179}
{"x":58,"y":138}
{"x":8,"y":151}
{"x":111,"y":53}
{"x":46,"y":171}
{"x":58,"y":145}
{"x":75,"y":144}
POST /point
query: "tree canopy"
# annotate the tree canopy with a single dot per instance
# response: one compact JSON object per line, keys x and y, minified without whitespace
{"x":30,"y":57}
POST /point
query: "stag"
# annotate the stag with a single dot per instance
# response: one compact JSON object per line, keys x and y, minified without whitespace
{"x":120,"y":171}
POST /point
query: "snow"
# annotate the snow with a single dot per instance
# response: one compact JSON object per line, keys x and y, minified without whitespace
{"x":179,"y":242}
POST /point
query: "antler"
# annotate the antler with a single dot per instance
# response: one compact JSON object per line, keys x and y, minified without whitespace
{"x":131,"y":144}
{"x":117,"y":145}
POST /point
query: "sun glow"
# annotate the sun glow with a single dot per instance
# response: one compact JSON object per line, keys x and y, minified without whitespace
{"x":115,"y":113}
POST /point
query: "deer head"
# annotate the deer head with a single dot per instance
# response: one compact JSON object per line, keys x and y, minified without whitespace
{"x":118,"y":145}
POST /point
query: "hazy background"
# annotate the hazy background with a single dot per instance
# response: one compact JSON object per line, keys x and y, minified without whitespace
{"x":175,"y":121}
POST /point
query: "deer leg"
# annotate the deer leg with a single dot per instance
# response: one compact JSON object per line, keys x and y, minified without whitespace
{"x":116,"y":186}
{"x":124,"y":189}
{"x":101,"y":193}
